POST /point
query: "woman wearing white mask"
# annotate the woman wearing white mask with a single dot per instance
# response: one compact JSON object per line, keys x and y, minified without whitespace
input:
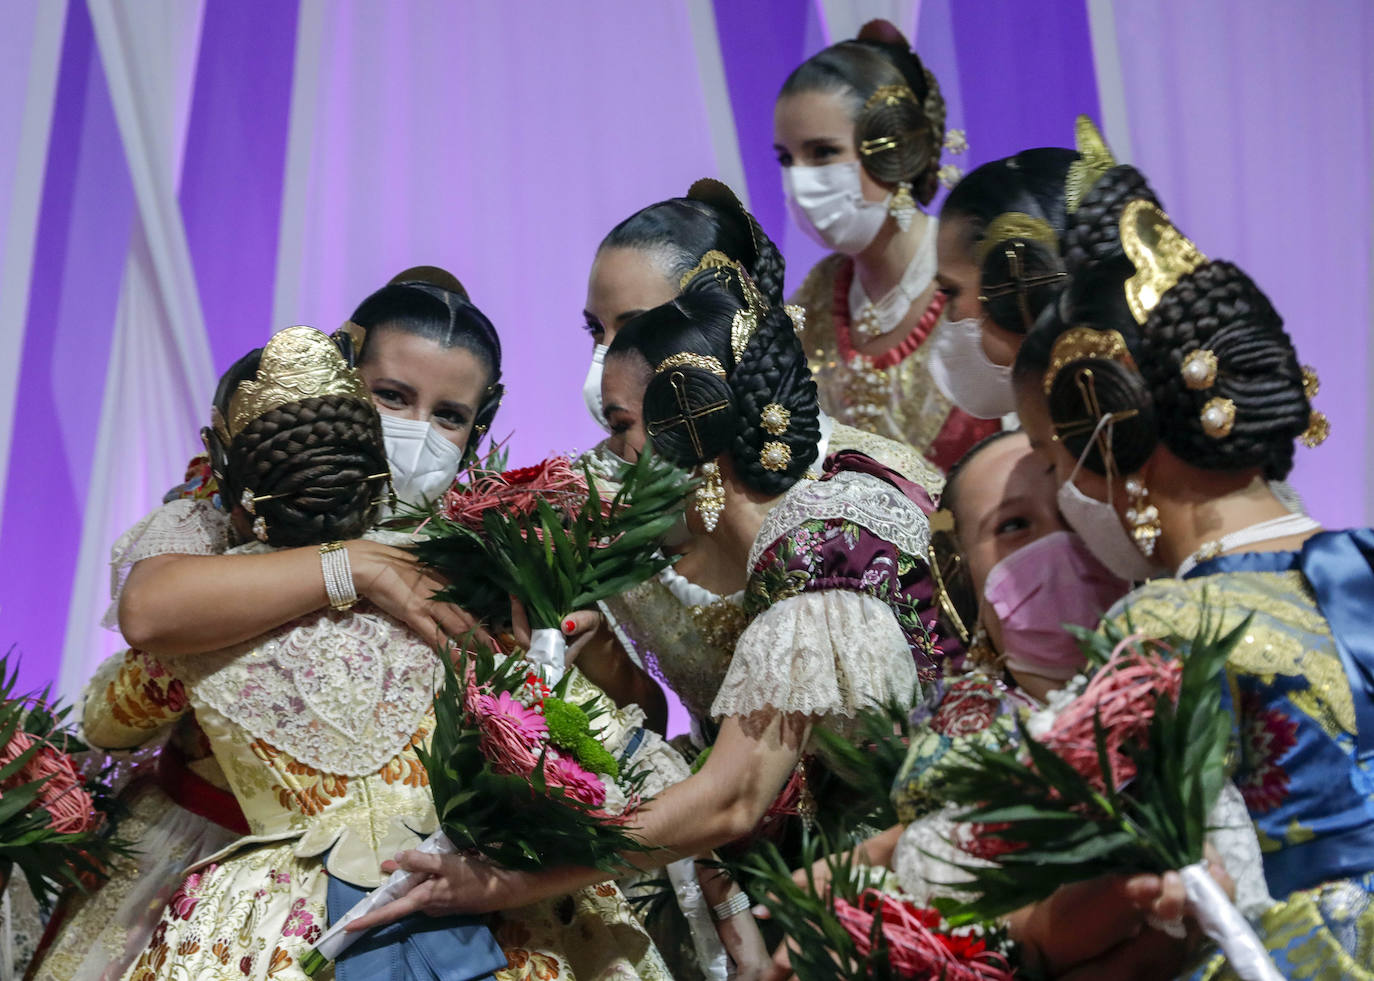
{"x":858,"y":130}
{"x":1003,"y":250}
{"x":1166,"y":393}
{"x":429,"y":356}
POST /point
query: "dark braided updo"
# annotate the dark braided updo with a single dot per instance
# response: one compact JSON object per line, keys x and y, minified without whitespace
{"x":1093,"y":236}
{"x":1216,"y":307}
{"x":881,"y":56}
{"x":679,"y":231}
{"x":728,"y":413}
{"x":313,"y":458}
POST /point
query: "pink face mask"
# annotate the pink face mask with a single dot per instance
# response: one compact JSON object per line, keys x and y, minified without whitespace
{"x":1037,"y":589}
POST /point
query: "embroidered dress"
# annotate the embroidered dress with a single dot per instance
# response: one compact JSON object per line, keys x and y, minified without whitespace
{"x":686,"y":634}
{"x":315,"y":726}
{"x":1300,"y":687}
{"x":839,"y":598}
{"x":892,"y":394}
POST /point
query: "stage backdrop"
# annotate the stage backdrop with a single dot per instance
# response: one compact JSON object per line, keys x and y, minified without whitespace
{"x":180,"y":178}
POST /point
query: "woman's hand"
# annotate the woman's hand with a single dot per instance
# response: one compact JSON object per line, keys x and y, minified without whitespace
{"x":743,"y":942}
{"x":396,"y":583}
{"x":578,"y":627}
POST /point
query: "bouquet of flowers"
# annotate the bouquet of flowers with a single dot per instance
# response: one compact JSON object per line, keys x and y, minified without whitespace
{"x":517,"y":768}
{"x":1121,"y":779}
{"x":51,"y":815}
{"x":850,"y":928}
{"x":545,"y":535}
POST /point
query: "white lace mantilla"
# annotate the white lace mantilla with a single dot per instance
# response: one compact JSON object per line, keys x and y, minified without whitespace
{"x":184,"y":527}
{"x":342,"y":692}
{"x":860,"y":498}
{"x":831,"y":653}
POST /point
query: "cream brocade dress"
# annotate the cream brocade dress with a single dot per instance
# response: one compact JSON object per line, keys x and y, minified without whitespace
{"x":315,"y":726}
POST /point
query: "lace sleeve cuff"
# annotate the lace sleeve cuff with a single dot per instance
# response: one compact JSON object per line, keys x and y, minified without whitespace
{"x":828,"y":652}
{"x":182,"y":527}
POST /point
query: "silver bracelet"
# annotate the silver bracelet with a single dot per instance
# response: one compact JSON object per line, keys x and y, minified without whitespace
{"x":338,"y":576}
{"x":735,"y":905}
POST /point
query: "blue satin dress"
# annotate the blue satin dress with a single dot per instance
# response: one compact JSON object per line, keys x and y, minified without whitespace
{"x":1300,"y":687}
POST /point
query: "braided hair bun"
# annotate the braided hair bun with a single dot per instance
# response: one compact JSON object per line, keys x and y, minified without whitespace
{"x":1093,"y":237}
{"x":764,"y":411}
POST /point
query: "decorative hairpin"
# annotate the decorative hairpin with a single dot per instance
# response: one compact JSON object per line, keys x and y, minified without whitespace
{"x":687,"y":359}
{"x":775,"y":455}
{"x":1318,"y":425}
{"x":1162,"y":255}
{"x":745,"y":321}
{"x":1199,"y":369}
{"x":1081,"y":343}
{"x":1011,"y":225}
{"x":890,"y":95}
{"x":775,"y":419}
{"x":1094,"y":160}
{"x":1218,"y":417}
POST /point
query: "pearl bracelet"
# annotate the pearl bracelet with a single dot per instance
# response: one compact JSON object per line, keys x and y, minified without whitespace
{"x":338,"y":576}
{"x":733,"y":906}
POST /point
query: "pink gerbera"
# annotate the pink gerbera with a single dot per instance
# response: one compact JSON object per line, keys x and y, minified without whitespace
{"x":560,"y":771}
{"x":511,"y":733}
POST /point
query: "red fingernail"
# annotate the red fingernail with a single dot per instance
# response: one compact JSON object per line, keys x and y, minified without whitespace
{"x":569,"y":626}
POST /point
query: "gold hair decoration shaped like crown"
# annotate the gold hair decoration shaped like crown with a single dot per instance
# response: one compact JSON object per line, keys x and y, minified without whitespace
{"x":1162,"y":255}
{"x":1080,"y":343}
{"x":1094,"y":160}
{"x":746,"y":321}
{"x":686,"y":359}
{"x":1015,"y":224}
{"x":890,"y":95}
{"x":298,"y":363}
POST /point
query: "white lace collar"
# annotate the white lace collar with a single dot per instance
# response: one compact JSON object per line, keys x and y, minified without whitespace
{"x":883,"y":316}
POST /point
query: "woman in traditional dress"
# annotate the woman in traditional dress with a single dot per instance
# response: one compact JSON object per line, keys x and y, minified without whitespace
{"x":419,"y":365}
{"x":831,"y":556}
{"x":1166,"y":395}
{"x":316,"y":723}
{"x":684,"y":623}
{"x":858,"y":131}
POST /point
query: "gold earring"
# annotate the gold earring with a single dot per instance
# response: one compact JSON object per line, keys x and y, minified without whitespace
{"x":260,"y":528}
{"x":709,"y":499}
{"x":1142,"y":516}
{"x":980,"y":651}
{"x":902,"y":206}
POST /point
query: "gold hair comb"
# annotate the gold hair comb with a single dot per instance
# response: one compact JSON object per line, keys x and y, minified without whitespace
{"x":1015,"y":224}
{"x":1094,"y":160}
{"x":1162,"y":255}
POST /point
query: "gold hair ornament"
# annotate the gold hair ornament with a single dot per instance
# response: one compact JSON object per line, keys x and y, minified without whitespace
{"x":1019,"y":283}
{"x":1199,"y":369}
{"x":1081,"y":343}
{"x":878,"y":145}
{"x":1311,"y":384}
{"x":775,"y":455}
{"x":687,"y":415}
{"x":797,"y":314}
{"x":775,"y":419}
{"x":890,"y":95}
{"x":1218,"y":417}
{"x":1092,"y":422}
{"x":1094,"y":160}
{"x":942,"y":591}
{"x":686,"y":359}
{"x":1162,"y":255}
{"x":1013,"y":225}
{"x":298,"y":363}
{"x":1318,"y":428}
{"x":357,"y":333}
{"x":746,"y":321}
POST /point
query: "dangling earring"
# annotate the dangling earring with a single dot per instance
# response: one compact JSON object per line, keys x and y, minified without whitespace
{"x":709,"y":498}
{"x":1142,"y":516}
{"x":902,"y":206}
{"x":260,"y":528}
{"x":980,"y":651}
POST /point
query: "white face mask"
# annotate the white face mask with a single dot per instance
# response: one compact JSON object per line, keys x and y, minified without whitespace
{"x":966,"y":375}
{"x":828,"y":204}
{"x":591,"y":387}
{"x":1099,"y":526}
{"x":423,"y":463}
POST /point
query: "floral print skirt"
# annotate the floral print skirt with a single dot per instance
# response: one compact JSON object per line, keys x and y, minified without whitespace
{"x":255,"y":915}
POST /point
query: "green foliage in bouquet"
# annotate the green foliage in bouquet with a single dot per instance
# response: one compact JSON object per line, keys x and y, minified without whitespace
{"x":868,"y":763}
{"x":51,"y":848}
{"x":833,"y":938}
{"x":559,"y":560}
{"x":517,"y":820}
{"x":1053,"y":821}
